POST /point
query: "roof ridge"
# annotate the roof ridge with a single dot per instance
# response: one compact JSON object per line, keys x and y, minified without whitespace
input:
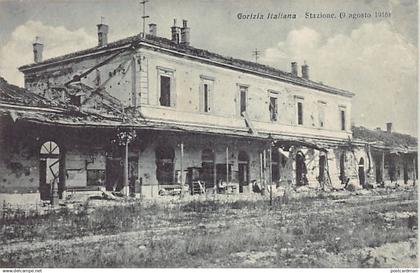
{"x":197,"y":52}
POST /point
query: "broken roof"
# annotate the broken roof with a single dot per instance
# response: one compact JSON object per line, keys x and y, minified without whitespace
{"x":383,"y":138}
{"x":166,"y":44}
{"x":12,"y":94}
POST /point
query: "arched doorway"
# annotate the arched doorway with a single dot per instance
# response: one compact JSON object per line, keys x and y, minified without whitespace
{"x":301,"y":169}
{"x":207,"y":167}
{"x":165,"y":155}
{"x":243,"y":169}
{"x":362,"y":172}
{"x":49,"y":168}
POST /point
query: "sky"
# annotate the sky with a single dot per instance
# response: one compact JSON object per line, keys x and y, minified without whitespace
{"x":374,"y":57}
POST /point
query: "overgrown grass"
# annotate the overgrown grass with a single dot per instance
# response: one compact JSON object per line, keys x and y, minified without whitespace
{"x":303,"y":233}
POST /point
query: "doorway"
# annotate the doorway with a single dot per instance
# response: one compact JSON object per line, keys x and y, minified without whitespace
{"x":165,"y":172}
{"x":114,"y":174}
{"x":243,"y":169}
{"x":321,"y":177}
{"x":362,"y":172}
{"x":301,"y":169}
{"x":207,"y":167}
{"x":342,"y":168}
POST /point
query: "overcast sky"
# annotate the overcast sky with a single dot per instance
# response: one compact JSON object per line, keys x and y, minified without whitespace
{"x":376,"y":58}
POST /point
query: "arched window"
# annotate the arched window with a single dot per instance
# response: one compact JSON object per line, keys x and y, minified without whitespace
{"x":50,"y":148}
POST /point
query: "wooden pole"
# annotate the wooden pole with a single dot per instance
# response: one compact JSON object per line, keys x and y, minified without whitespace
{"x":264,"y":171}
{"x":182,"y":169}
{"x":414,"y":171}
{"x":383,"y":168}
{"x":214,"y":169}
{"x":261,"y":168}
{"x":126,"y":188}
{"x":270,"y":173}
{"x":227,"y":165}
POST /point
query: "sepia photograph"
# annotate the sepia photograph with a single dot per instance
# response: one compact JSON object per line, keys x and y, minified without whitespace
{"x":208,"y":134}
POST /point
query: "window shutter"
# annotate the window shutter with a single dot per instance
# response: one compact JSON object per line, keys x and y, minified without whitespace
{"x":201,"y":97}
{"x":210,"y":98}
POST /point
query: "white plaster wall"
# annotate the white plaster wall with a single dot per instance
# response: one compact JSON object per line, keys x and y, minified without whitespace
{"x":225,"y":98}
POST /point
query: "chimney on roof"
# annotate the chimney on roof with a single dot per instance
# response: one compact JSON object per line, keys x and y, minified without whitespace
{"x":294,"y":69}
{"x":38,"y":47}
{"x":185,"y":33}
{"x":175,"y":33}
{"x":102,"y":34}
{"x":305,"y":71}
{"x":389,"y":127}
{"x":153,"y":29}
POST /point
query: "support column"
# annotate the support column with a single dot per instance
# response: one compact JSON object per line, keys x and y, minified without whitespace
{"x":227,"y":164}
{"x":214,"y":169}
{"x":182,"y":168}
{"x":383,"y":168}
{"x":414,"y":171}
{"x":270,"y":174}
{"x":264,"y":172}
{"x":140,"y":182}
{"x":126,"y":189}
{"x":261,"y":168}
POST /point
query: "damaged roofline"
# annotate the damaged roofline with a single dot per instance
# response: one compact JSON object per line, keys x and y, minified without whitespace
{"x":51,"y":110}
{"x":327,"y":89}
{"x":35,"y":66}
{"x":291,"y":80}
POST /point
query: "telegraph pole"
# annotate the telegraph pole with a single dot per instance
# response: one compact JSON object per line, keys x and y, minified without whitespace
{"x":144,"y":16}
{"x":256,"y":54}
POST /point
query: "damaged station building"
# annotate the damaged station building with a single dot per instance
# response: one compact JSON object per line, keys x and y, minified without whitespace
{"x":150,"y":116}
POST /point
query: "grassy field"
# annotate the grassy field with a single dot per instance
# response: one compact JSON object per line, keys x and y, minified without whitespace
{"x":376,"y":229}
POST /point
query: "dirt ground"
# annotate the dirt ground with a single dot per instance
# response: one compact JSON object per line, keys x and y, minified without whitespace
{"x":376,"y":228}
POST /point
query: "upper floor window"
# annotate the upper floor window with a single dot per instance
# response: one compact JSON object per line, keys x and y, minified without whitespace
{"x":321,"y":113}
{"x":206,"y":94}
{"x":243,"y":97}
{"x":166,"y":88}
{"x":299,"y":110}
{"x":273,"y":106}
{"x":343,"y":118}
{"x":165,"y":91}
